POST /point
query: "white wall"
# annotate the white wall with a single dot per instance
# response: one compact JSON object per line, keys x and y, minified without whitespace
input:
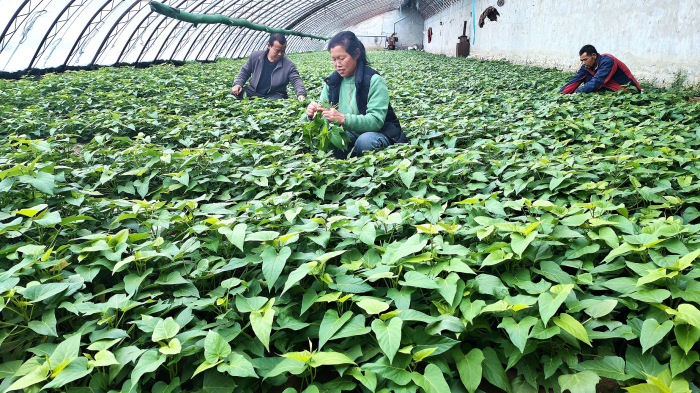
{"x":409,"y":31}
{"x":655,"y":38}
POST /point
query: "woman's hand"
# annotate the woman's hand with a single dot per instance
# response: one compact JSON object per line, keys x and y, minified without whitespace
{"x":312,"y":109}
{"x":334,"y":116}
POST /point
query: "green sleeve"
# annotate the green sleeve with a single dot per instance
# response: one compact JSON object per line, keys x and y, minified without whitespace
{"x":377,"y":107}
{"x":324,"y":95}
{"x":324,"y":98}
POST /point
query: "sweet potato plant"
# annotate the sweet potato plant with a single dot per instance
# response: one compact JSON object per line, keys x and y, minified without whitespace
{"x":157,"y":235}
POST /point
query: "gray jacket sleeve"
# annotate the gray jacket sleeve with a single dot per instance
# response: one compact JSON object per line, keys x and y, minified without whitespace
{"x":297,"y":83}
{"x":245,"y":73}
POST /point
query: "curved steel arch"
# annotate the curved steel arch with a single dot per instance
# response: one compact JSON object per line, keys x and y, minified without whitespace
{"x":44,"y":44}
{"x":168,"y":22}
{"x":218,"y":42}
{"x":259,"y":15}
{"x":238,"y":31}
{"x":179,"y":26}
{"x":254,"y":36}
{"x":188,"y":27}
{"x":275,"y":18}
{"x":117,"y":28}
{"x":135,"y":35}
{"x":209,"y":29}
{"x":90,"y":27}
{"x":15,"y":21}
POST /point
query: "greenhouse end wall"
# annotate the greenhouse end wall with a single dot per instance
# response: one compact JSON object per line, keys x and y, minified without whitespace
{"x":655,"y":38}
{"x":408,"y":30}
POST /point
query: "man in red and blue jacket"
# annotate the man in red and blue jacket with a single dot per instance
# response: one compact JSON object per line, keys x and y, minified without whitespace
{"x":600,"y":73}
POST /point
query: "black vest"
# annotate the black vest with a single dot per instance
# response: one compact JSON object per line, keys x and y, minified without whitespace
{"x":363,"y":77}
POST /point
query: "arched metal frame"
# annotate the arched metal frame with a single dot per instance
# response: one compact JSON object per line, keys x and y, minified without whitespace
{"x":101,"y":14}
{"x":279,"y":17}
{"x":168,"y":21}
{"x":140,"y":30}
{"x":230,"y":32}
{"x":13,"y":26}
{"x":190,"y":30}
{"x":178,"y":40}
{"x":250,"y":37}
{"x":117,"y":28}
{"x":207,"y":29}
{"x":242,"y":31}
{"x":59,"y":22}
{"x":218,"y":43}
{"x":202,"y":7}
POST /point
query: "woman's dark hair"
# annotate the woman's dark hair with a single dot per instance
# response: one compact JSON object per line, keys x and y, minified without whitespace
{"x":349,"y":41}
{"x":589,"y":49}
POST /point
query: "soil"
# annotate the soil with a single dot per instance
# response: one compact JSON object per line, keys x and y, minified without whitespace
{"x":694,"y":99}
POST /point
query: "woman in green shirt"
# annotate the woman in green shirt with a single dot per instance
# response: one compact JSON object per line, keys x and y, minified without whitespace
{"x":361,"y":97}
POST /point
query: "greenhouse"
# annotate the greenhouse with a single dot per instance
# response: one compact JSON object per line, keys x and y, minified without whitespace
{"x":228,"y":196}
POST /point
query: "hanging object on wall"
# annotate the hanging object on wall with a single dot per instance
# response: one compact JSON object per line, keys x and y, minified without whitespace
{"x":430,"y":34}
{"x":196,"y":19}
{"x":501,"y":3}
{"x":491,"y":13}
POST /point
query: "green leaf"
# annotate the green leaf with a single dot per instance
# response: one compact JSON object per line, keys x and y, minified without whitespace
{"x":407,"y":176}
{"x":65,"y":351}
{"x":297,"y":275}
{"x":681,"y":361}
{"x":493,"y":370}
{"x":293,"y":366}
{"x":236,"y":235}
{"x":653,"y":333}
{"x":432,"y":381}
{"x":369,"y":379}
{"x":418,"y":280}
{"x":448,"y":287}
{"x":397,"y":250}
{"x":214,"y":382}
{"x":469,"y":367}
{"x":39,"y":374}
{"x":103,"y":358}
{"x":686,"y":336}
{"x":572,"y":326}
{"x":609,"y":237}
{"x":372,"y":306}
{"x":388,"y":336}
{"x":612,"y":367}
{"x":422,"y":354}
{"x":262,"y":325}
{"x":47,"y":326}
{"x":496,"y":257}
{"x":165,"y":330}
{"x":238,"y":366}
{"x":174,"y":347}
{"x":215,"y":347}
{"x":549,"y":305}
{"x":148,"y":363}
{"x":583,"y":382}
{"x":689,"y":314}
{"x":518,"y":243}
{"x":76,"y":370}
{"x":274,"y":263}
{"x":368,"y":233}
{"x":330,"y":325}
{"x":384,"y":369}
{"x":49,"y":219}
{"x":329,"y":359}
{"x":685,"y":261}
{"x":44,"y":182}
{"x":518,"y":331}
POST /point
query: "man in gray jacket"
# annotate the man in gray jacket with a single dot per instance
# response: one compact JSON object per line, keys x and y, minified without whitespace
{"x":271,"y":72}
